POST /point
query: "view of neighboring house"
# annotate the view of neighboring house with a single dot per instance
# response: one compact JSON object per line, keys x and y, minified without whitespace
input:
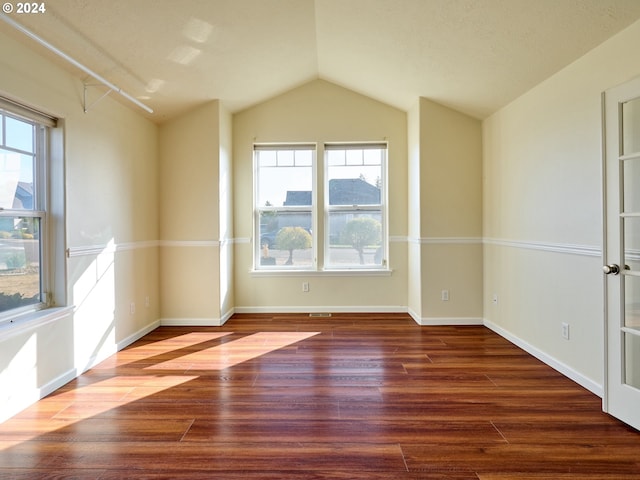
{"x":353,"y":191}
{"x":342,"y":191}
{"x":23,"y":199}
{"x":24,"y":196}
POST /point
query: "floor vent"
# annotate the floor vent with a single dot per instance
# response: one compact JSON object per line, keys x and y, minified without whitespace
{"x":320,"y":314}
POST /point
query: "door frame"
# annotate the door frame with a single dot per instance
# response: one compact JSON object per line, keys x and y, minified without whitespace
{"x":605,"y":244}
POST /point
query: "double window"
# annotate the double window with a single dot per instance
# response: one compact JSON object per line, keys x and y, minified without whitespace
{"x":344,"y":221}
{"x":23,"y":211}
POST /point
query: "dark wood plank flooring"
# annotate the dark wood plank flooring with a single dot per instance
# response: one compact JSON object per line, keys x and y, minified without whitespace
{"x":347,"y":397}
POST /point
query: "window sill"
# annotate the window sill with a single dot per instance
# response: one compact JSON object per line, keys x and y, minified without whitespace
{"x":32,"y":320}
{"x":322,"y":273}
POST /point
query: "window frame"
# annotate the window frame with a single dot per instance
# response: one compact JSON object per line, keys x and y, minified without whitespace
{"x":41,"y":125}
{"x":260,"y":209}
{"x":320,"y":212}
{"x":381,"y":207}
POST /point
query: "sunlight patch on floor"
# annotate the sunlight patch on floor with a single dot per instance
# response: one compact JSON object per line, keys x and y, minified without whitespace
{"x":119,"y":390}
{"x":234,"y":352}
{"x":112,"y":392}
{"x":149,"y":350}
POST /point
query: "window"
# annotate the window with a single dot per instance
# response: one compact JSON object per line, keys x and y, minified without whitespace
{"x":286,"y":216}
{"x":354,"y":198}
{"x":284,"y":206}
{"x":23,"y":210}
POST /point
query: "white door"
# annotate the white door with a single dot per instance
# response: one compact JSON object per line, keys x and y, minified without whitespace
{"x":622,"y":252}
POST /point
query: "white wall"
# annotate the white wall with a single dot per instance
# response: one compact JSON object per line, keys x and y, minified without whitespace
{"x":111,"y":193}
{"x":451,"y":215}
{"x":196,"y":225}
{"x":320,"y":112}
{"x":542,"y":211}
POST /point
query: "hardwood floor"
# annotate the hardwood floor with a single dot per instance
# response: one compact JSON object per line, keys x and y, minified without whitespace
{"x":347,"y":397}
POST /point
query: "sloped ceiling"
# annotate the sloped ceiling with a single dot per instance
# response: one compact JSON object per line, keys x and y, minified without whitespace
{"x":473,"y":55}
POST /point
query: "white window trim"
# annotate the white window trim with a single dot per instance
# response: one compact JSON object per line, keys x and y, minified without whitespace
{"x":317,"y":269}
{"x":383,"y":208}
{"x":257,"y":267}
{"x":50,"y":203}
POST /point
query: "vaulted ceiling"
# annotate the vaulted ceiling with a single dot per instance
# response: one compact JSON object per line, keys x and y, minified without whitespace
{"x":472,"y":55}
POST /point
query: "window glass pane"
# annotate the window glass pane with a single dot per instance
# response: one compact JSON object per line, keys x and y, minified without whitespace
{"x":632,"y":301}
{"x":285,"y":158}
{"x":285,"y":239}
{"x":355,"y":239}
{"x":19,"y":134}
{"x":289,"y":185}
{"x":631,"y":127}
{"x":266,"y":158}
{"x":16,"y":180}
{"x":632,"y":243}
{"x":19,"y":262}
{"x":351,"y":181}
{"x":304,"y":158}
{"x":631,"y":174}
{"x":632,"y":360}
{"x":373,"y":156}
{"x":336,"y":157}
{"x":354,"y":157}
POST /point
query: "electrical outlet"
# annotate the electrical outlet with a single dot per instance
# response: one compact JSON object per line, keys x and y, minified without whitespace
{"x":132,"y":308}
{"x":305,"y":287}
{"x":495,"y":299}
{"x":565,"y":330}
{"x":444,"y":295}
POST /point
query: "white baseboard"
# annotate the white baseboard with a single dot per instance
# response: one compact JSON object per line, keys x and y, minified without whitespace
{"x":452,"y":321}
{"x":192,"y":322}
{"x":323,"y":309}
{"x":227,"y":316}
{"x":198,"y":322}
{"x":548,"y":359}
{"x":138,"y":335}
{"x":434,"y":321}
